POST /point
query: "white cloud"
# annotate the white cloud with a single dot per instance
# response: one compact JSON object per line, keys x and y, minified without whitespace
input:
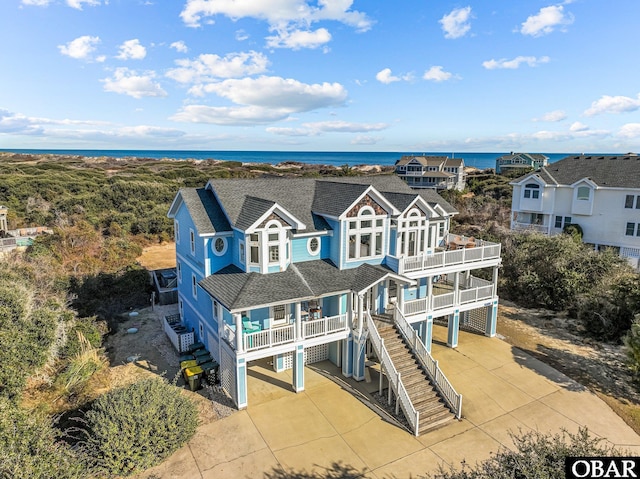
{"x":297,"y":39}
{"x":553,"y":116}
{"x":37,"y":3}
{"x":132,"y":50}
{"x":613,"y":104}
{"x":279,"y":14}
{"x":456,"y":23}
{"x":364,"y":140}
{"x":262,"y":100}
{"x":515,"y":63}
{"x":279,"y":93}
{"x":78,"y":3}
{"x":345,"y":126}
{"x":12,"y":123}
{"x":230,"y":116}
{"x":179,"y":46}
{"x":630,"y":130}
{"x":437,"y":74}
{"x":241,"y":35}
{"x":128,"y":82}
{"x":385,"y":76}
{"x":208,"y":67}
{"x":578,"y":126}
{"x":81,"y":48}
{"x":317,"y":128}
{"x":546,"y":21}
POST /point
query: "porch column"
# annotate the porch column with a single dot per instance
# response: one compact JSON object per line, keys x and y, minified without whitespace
{"x":385,"y":294}
{"x":350,"y":310}
{"x":360,"y":313}
{"x":237,"y":319}
{"x":359,"y":345}
{"x":400,"y":293}
{"x":456,"y":287}
{"x":452,"y":329}
{"x":298,"y":368}
{"x":427,"y":333}
{"x":495,"y":281}
{"x":492,"y":320}
{"x":298,"y":316}
{"x":347,"y":355}
{"x":241,"y":383}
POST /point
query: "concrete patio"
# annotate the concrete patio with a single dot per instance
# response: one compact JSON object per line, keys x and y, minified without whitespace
{"x":503,"y":390}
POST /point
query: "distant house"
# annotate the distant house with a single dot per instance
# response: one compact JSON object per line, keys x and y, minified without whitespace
{"x":350,"y":270}
{"x":519,"y":161}
{"x":601,"y":194}
{"x":22,"y":237}
{"x":434,"y":172}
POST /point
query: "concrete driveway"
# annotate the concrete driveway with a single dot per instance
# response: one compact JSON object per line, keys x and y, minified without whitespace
{"x":503,"y":390}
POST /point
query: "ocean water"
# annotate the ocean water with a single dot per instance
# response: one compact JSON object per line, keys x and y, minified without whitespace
{"x":334,"y":158}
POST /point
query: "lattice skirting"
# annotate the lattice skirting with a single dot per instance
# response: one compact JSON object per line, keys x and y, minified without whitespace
{"x":228,"y":374}
{"x":313,"y":354}
{"x":474,"y":320}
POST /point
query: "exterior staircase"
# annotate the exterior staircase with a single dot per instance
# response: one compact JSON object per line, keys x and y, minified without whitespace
{"x":425,"y":398}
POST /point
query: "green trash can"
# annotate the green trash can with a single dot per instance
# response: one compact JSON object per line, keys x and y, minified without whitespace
{"x":193,"y":376}
{"x":210,"y":369}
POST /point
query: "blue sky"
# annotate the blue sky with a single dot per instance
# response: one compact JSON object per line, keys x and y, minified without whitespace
{"x":328,"y":75}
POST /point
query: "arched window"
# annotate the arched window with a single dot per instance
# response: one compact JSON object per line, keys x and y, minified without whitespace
{"x":365,"y":234}
{"x":273,"y":242}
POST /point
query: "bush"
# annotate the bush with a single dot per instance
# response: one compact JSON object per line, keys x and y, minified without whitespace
{"x":134,"y":428}
{"x":632,"y":343}
{"x":31,"y":448}
{"x":537,"y":455}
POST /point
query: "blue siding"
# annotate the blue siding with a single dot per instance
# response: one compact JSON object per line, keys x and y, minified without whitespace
{"x":334,"y":241}
{"x":299,"y":249}
{"x":216,"y":263}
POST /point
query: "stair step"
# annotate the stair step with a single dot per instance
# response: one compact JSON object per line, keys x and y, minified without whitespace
{"x":430,"y":426}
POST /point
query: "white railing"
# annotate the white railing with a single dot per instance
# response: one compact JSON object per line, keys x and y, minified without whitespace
{"x":484,"y":251}
{"x":269,"y":337}
{"x":395,"y":381}
{"x":229,"y":335}
{"x":177,"y":334}
{"x":324,"y":326}
{"x":529,"y":227}
{"x":440,"y":381}
{"x":477,"y":290}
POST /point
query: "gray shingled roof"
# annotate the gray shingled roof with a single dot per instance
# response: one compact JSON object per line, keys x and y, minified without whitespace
{"x":246,"y":200}
{"x":300,"y":282}
{"x":204,"y":210}
{"x":425,"y":160}
{"x":622,"y":171}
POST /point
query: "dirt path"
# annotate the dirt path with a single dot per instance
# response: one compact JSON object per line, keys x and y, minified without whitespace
{"x":553,"y":339}
{"x":158,"y":256}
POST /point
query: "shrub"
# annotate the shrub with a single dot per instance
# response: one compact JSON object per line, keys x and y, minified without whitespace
{"x":134,"y":428}
{"x":31,"y":448}
{"x":632,"y":343}
{"x":537,"y":455}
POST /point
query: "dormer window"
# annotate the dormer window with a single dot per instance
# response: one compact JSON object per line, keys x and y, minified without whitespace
{"x":254,"y":249}
{"x":583,"y":193}
{"x":273,"y":243}
{"x":532,"y":190}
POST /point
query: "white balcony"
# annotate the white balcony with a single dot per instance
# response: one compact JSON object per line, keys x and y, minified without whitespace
{"x":529,"y":227}
{"x":459,"y":250}
{"x":279,"y":335}
{"x":477,"y":291}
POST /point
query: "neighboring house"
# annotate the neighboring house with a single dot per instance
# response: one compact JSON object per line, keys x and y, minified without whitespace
{"x":22,"y":237}
{"x":305,"y":270}
{"x":519,"y":161}
{"x":601,"y":194}
{"x":434,"y":172}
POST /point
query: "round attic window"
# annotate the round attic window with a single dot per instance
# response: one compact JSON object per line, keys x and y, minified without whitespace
{"x":313,"y":246}
{"x":220,"y":246}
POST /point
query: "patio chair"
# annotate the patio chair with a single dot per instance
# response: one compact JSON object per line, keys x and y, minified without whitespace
{"x":250,"y":326}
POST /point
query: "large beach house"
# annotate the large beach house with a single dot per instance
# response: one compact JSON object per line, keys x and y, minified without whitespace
{"x":520,"y":161}
{"x":433,"y":172}
{"x":599,"y":193}
{"x":348,"y":270}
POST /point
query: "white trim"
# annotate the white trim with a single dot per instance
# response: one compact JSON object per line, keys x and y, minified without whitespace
{"x":373,"y":231}
{"x":371,"y":191}
{"x":225,"y":246}
{"x":242,"y":252}
{"x":291,"y":220}
{"x":179,"y":271}
{"x":176,"y":231}
{"x":312,"y":233}
{"x":194,"y":286}
{"x":192,"y":241}
{"x":185,"y":259}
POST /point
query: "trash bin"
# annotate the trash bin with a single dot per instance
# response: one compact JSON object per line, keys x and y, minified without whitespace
{"x":200,"y":352}
{"x":193,"y":376}
{"x":195,"y":346}
{"x":203,"y":359}
{"x":210,"y":370}
{"x":189,"y":363}
{"x":186,"y":357}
